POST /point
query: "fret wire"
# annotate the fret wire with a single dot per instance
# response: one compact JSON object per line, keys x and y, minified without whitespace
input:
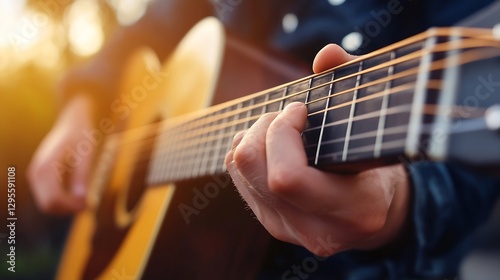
{"x":351,"y":114}
{"x":390,"y":111}
{"x":393,"y":110}
{"x":437,"y":48}
{"x":367,"y":98}
{"x":418,"y":54}
{"x":327,"y":104}
{"x":390,"y":144}
{"x":190,"y":161}
{"x":193,"y":153}
{"x":187,"y":162}
{"x":419,"y":97}
{"x":397,"y":109}
{"x":400,"y":143}
{"x":169,"y":122}
{"x":187,"y":141}
{"x":248,"y":115}
{"x":206,"y":152}
{"x":168,"y":161}
{"x":439,"y":63}
{"x":389,"y":131}
{"x":439,"y":142}
{"x":383,"y":110}
{"x":283,"y":97}
{"x":179,"y":162}
{"x":369,"y":148}
{"x":475,"y":41}
{"x":199,"y":153}
{"x":166,"y":154}
{"x":426,"y":128}
{"x":218,"y":147}
{"x":232,"y":132}
{"x":177,"y":170}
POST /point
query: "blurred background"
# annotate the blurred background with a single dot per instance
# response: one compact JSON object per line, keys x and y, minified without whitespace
{"x":39,"y":41}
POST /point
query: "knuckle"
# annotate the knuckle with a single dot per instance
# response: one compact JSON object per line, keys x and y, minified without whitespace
{"x":282,"y":180}
{"x":244,"y":155}
{"x":268,"y":116}
{"x":370,"y":225}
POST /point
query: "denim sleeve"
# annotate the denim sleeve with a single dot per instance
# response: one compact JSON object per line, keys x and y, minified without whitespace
{"x":449,"y":204}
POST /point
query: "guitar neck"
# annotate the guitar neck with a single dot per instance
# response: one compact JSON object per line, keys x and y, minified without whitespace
{"x":376,"y":108}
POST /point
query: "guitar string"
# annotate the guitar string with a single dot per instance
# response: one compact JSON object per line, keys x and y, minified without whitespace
{"x":438,"y":66}
{"x":361,"y":136}
{"x":474,"y":42}
{"x":417,"y":54}
{"x":429,"y":110}
{"x":194,"y":145}
{"x":473,"y":32}
{"x":204,"y":139}
{"x":309,"y":89}
{"x":389,"y":145}
{"x":427,"y":129}
{"x":393,"y":145}
{"x":192,"y":134}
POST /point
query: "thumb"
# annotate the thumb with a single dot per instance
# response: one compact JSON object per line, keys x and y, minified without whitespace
{"x":330,"y":56}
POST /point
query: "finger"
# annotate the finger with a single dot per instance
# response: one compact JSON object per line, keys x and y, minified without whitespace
{"x":47,"y":173}
{"x":57,"y":200}
{"x":250,"y":155}
{"x":330,"y":56}
{"x":49,"y":193}
{"x":289,"y":175}
{"x":237,"y":139}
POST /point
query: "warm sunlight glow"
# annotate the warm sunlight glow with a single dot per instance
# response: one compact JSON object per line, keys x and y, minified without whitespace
{"x":129,"y":11}
{"x":10,"y":13}
{"x":85,"y":33}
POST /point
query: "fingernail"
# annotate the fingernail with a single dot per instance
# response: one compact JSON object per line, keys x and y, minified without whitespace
{"x":293,"y":105}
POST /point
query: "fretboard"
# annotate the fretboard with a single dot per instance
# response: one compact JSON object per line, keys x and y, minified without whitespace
{"x":374,"y":107}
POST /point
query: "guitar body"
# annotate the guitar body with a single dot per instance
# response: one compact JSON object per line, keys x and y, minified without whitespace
{"x":191,"y":230}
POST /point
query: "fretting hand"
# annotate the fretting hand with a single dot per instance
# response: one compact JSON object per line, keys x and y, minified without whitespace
{"x":296,"y":203}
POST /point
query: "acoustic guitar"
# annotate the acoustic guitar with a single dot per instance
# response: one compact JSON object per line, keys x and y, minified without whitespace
{"x":161,"y":205}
